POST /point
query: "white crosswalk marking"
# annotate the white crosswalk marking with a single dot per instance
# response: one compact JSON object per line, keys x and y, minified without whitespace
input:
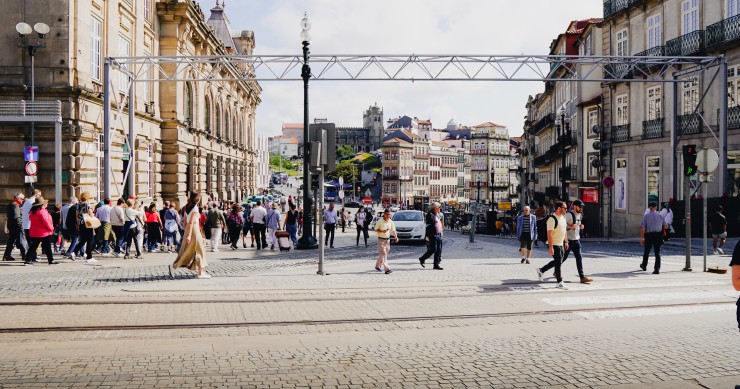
{"x":642,"y":297}
{"x":638,"y":312}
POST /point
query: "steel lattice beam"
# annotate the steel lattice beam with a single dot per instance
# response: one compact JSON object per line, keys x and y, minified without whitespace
{"x":411,"y":68}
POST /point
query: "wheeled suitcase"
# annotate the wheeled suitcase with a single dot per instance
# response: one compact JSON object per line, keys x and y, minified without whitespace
{"x":283,"y":238}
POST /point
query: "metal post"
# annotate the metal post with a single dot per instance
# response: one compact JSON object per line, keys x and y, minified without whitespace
{"x":32,"y":52}
{"x":687,"y":201}
{"x":307,"y":240}
{"x":131,"y":180}
{"x":58,"y":162}
{"x":674,"y":141}
{"x":319,"y":207}
{"x":106,"y":128}
{"x":722,"y":176}
{"x":475,"y":215}
{"x":704,"y":207}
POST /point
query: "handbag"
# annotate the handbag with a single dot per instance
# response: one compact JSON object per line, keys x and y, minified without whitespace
{"x":91,"y":222}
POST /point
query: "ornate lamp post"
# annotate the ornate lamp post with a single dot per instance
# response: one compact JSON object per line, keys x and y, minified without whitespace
{"x":307,"y":240}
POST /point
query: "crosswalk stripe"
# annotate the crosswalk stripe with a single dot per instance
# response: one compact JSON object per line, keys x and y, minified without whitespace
{"x":638,"y":312}
{"x":633,"y":298}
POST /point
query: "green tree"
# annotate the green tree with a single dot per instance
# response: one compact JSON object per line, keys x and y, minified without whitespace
{"x":275,"y":163}
{"x":345,"y":152}
{"x":344,"y":169}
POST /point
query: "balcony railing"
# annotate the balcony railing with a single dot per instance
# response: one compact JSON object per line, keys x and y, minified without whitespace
{"x":483,"y":135}
{"x":657,"y":51}
{"x":687,"y":44}
{"x":617,"y":71}
{"x":724,"y":31}
{"x":422,"y":156}
{"x":392,"y":177}
{"x":733,"y":117}
{"x":621,"y":133}
{"x":546,"y":121}
{"x":21,"y":109}
{"x":652,"y":129}
{"x":613,"y":6}
{"x":479,"y":151}
{"x":479,"y":167}
{"x":570,"y":173}
{"x":541,"y":160}
{"x":689,"y":124}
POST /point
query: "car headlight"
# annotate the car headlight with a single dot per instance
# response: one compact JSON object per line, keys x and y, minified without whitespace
{"x":418,"y":228}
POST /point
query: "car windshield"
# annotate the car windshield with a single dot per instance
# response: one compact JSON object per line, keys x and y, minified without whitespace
{"x":408,"y":217}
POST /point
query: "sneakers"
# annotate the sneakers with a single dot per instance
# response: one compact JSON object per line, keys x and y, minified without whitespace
{"x":204,"y":276}
{"x":721,"y":251}
{"x":527,"y":261}
{"x":377,"y":269}
{"x":117,"y":255}
{"x":437,"y":268}
{"x":53,"y":263}
{"x":8,"y":259}
{"x":585,"y":280}
{"x":92,"y":260}
{"x":561,"y":285}
{"x":539,"y":274}
{"x":72,"y":256}
{"x":245,"y":245}
{"x":524,"y":260}
{"x":272,"y":247}
{"x":105,"y":255}
{"x":389,"y":271}
{"x":715,"y":252}
{"x":643,"y":267}
{"x":656,"y":271}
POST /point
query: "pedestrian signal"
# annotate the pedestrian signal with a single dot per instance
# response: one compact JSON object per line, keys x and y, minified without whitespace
{"x":689,"y":160}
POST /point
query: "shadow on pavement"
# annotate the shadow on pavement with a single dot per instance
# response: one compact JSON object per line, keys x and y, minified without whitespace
{"x":621,"y":275}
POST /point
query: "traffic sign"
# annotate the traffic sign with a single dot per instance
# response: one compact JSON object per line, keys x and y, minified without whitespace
{"x":608,"y":182}
{"x":504,"y":205}
{"x":31,"y":179}
{"x":31,"y":168}
{"x":712,"y":160}
{"x":31,"y":153}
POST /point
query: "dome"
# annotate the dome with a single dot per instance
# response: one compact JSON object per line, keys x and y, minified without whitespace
{"x":452,"y":123}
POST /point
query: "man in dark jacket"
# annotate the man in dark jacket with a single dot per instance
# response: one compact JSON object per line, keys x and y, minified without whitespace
{"x":15,"y":230}
{"x":433,"y":234}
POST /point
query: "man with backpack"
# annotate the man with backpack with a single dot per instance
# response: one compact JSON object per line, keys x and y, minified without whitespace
{"x":573,"y":219}
{"x":557,"y":241}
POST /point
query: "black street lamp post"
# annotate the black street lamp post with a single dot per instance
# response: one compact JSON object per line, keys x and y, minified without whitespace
{"x":307,"y":241}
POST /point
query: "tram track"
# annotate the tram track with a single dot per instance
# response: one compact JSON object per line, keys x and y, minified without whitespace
{"x":247,"y":324}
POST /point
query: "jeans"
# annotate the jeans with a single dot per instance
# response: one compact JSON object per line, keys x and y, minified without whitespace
{"x":87,"y":235}
{"x":652,"y":240}
{"x":132,"y":237}
{"x":14,"y":239}
{"x":329,"y":234}
{"x":215,"y":238}
{"x":120,"y":232}
{"x":557,"y":260}
{"x":575,"y":247}
{"x":293,"y":231}
{"x":363,"y":231}
{"x":170,"y":238}
{"x":434,"y":247}
{"x":45,"y":243}
{"x":260,"y":230}
{"x":74,"y":240}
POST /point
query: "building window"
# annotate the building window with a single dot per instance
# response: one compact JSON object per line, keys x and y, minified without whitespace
{"x":654,"y":35}
{"x":622,"y":110}
{"x":207,"y":115}
{"x":124,"y":50}
{"x":620,"y":177}
{"x":623,"y":43}
{"x":652,"y":179}
{"x":733,"y":174}
{"x":690,"y":96}
{"x":593,"y":172}
{"x":148,"y":10}
{"x":733,"y":8}
{"x":733,"y":86}
{"x":188,"y":104}
{"x":690,"y":16}
{"x":96,"y":30}
{"x":593,"y":122}
{"x":654,"y":102}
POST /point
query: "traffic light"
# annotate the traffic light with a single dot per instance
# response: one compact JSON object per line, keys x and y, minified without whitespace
{"x":314,"y":181}
{"x":689,"y":160}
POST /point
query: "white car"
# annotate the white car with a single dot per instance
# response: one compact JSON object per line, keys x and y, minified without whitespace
{"x":393,"y":208}
{"x":409,"y":225}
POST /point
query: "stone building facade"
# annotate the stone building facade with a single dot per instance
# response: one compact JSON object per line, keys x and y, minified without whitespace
{"x":189,"y":135}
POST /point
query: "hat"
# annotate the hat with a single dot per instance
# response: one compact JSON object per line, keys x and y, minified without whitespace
{"x":653,"y":204}
{"x":578,"y":203}
{"x":40,"y":201}
{"x":274,"y":205}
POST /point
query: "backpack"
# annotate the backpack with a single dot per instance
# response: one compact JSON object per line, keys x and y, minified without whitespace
{"x":542,"y":227}
{"x":233,"y":221}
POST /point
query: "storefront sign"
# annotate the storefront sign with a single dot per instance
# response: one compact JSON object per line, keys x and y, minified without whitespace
{"x":590,"y":195}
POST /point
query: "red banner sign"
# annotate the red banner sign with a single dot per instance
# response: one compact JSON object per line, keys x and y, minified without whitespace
{"x":590,"y":195}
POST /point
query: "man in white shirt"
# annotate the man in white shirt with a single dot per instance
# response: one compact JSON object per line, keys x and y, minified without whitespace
{"x":385,"y":229}
{"x":556,"y":239}
{"x":258,"y":221}
{"x":330,"y":224}
{"x":103,"y":214}
{"x":117,"y":221}
{"x":25,"y":213}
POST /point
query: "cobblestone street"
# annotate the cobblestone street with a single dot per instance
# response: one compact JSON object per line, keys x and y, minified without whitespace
{"x":266,"y":320}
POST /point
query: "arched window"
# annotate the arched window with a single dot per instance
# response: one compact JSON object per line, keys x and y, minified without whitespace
{"x":188,"y":104}
{"x":207,"y":118}
{"x":227,"y":126}
{"x":219,"y":130}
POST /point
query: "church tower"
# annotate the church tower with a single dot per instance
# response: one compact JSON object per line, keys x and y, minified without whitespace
{"x":372,"y":120}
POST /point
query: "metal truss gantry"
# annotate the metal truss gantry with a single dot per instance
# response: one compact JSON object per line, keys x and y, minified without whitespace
{"x":409,"y":68}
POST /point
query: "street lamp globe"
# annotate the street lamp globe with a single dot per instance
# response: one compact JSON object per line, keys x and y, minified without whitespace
{"x":42,"y":29}
{"x":23,"y":29}
{"x":305,"y":27}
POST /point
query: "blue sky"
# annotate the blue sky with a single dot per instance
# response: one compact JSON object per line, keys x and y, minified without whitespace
{"x":403,"y":27}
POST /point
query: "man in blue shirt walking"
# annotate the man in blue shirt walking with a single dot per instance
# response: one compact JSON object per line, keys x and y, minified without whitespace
{"x":651,"y":235}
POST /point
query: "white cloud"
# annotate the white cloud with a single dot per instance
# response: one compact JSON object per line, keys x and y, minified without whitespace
{"x":404,"y":27}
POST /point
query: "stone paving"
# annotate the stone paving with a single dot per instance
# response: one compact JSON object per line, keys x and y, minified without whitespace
{"x":266,"y":320}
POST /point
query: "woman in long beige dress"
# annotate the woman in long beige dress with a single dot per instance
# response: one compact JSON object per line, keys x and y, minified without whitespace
{"x":191,"y":254}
